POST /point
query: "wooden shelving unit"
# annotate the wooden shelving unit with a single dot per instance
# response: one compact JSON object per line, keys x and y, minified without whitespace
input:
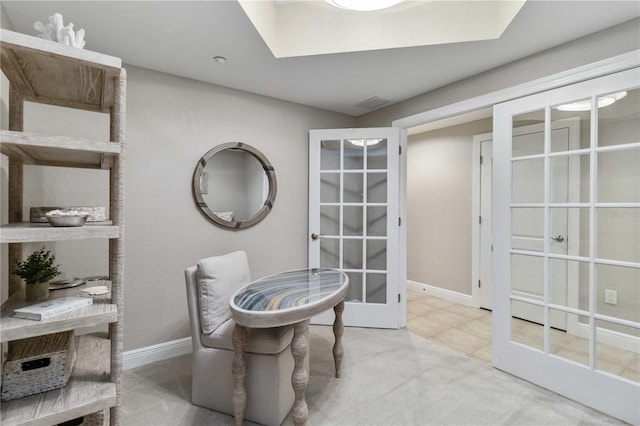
{"x":46,"y":72}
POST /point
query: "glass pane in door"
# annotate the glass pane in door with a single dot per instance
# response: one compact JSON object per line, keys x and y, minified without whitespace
{"x":569,"y":346}
{"x":329,"y":187}
{"x":376,"y":255}
{"x":618,"y":292}
{"x":377,"y":154}
{"x":615,"y":360}
{"x":376,"y":221}
{"x":619,"y":176}
{"x":352,"y":221}
{"x":618,"y":122}
{"x":353,"y":188}
{"x":618,"y":233}
{"x":563,"y":272}
{"x":354,"y":294}
{"x":578,"y":111}
{"x":330,"y":155}
{"x":527,"y":229}
{"x":528,"y":181}
{"x":526,"y":332}
{"x":528,"y":142}
{"x":376,"y":187}
{"x":353,"y":155}
{"x":376,"y":288}
{"x":330,"y":253}
{"x":330,"y":220}
{"x":352,"y":258}
{"x":527,"y":276}
{"x":568,"y":173}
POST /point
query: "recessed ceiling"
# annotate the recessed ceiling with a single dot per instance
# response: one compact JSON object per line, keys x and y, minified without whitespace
{"x":315,"y":27}
{"x":183,"y":37}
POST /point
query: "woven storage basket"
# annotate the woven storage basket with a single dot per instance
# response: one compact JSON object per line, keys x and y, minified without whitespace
{"x":38,"y":364}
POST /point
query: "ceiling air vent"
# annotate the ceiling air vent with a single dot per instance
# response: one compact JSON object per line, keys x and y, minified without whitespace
{"x":373,"y":103}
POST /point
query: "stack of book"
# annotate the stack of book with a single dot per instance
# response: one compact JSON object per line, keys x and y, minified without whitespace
{"x":49,"y":308}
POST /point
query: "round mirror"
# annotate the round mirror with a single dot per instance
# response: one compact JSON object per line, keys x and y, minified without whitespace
{"x":234,"y":185}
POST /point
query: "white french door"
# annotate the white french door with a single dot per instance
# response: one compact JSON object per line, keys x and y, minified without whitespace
{"x":354,"y":219}
{"x":597,"y":366}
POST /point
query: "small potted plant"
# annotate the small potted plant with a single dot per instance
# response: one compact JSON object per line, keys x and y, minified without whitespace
{"x":37,"y":271}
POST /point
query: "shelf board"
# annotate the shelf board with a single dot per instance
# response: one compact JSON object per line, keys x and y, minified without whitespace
{"x":43,"y":150}
{"x":19,"y":328}
{"x":37,"y":232}
{"x":52,"y":73}
{"x":88,"y":390}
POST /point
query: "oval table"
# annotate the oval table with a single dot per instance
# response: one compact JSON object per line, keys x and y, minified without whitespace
{"x":282,"y":299}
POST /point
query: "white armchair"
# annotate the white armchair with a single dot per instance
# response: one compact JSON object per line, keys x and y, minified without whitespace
{"x":268,"y":351}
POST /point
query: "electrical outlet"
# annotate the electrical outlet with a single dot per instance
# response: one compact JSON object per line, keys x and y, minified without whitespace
{"x":610,"y":297}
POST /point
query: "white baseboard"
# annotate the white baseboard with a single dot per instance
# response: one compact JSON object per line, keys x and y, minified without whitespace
{"x":142,"y":356}
{"x":453,"y":296}
{"x":609,"y":337}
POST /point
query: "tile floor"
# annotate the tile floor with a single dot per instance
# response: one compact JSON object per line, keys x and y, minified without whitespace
{"x":468,"y":330}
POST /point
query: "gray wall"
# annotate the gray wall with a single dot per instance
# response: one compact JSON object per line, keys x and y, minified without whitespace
{"x":171,"y":123}
{"x":439,"y":207}
{"x":601,"y":45}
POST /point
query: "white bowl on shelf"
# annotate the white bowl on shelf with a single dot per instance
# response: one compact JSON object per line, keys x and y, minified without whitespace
{"x":67,"y":220}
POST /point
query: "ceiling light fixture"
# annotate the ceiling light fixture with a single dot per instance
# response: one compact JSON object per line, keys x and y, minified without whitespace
{"x":220,"y":59}
{"x":585,"y":105}
{"x":361,"y":142}
{"x":363,"y":5}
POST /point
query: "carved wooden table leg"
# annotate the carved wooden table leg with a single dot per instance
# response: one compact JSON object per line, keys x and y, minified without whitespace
{"x":239,"y":371}
{"x":338,"y":331}
{"x":300,"y":377}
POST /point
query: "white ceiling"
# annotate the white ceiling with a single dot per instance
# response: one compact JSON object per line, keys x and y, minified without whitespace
{"x":182,"y":37}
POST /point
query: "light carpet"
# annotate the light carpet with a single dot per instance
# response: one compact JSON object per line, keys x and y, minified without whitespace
{"x":389,"y":377}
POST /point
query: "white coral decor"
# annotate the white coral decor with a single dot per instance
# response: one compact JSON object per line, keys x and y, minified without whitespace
{"x":56,"y":31}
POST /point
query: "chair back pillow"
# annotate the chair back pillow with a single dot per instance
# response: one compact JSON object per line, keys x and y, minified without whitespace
{"x":218,"y":278}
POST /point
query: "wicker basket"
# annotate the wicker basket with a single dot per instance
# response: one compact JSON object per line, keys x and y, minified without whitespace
{"x":38,"y":364}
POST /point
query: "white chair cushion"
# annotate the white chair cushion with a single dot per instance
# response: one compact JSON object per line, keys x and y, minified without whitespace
{"x":259,"y":340}
{"x":218,"y":278}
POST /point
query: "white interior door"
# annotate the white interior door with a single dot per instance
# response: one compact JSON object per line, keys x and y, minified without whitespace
{"x":354,"y":219}
{"x":528,"y":229}
{"x":605,"y":257}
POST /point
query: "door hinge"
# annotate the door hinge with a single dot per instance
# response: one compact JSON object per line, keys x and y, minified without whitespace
{"x":399,"y":149}
{"x":479,"y":284}
{"x":480,"y":220}
{"x":399,"y":221}
{"x":481,"y":159}
{"x":398,"y":297}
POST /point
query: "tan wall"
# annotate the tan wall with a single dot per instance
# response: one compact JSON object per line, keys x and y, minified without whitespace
{"x":171,"y":123}
{"x":439,"y":194}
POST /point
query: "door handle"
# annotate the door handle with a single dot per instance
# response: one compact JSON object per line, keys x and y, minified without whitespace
{"x":558,"y":239}
{"x":315,"y":236}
